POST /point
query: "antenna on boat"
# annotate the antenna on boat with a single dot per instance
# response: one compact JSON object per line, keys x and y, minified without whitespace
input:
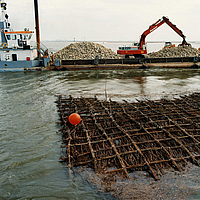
{"x":37,"y":28}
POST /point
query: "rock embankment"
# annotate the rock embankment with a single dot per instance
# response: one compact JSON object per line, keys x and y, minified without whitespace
{"x":84,"y":50}
{"x":175,"y":52}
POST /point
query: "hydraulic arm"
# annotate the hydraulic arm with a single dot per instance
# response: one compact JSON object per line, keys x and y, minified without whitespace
{"x":154,"y":26}
{"x":140,"y":49}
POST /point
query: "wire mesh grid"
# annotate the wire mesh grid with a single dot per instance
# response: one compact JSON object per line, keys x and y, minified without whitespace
{"x":122,"y":137}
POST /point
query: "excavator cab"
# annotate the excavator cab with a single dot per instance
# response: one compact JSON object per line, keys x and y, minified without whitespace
{"x":168,"y":45}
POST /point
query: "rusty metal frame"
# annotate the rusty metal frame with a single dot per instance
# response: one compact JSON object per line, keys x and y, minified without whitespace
{"x":122,"y":137}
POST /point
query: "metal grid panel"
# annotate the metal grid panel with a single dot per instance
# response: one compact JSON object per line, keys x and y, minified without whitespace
{"x":123,"y":137}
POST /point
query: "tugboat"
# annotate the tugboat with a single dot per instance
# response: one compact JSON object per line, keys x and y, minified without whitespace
{"x":16,"y":51}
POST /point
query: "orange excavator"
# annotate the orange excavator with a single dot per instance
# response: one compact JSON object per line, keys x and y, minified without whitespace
{"x":139,"y":49}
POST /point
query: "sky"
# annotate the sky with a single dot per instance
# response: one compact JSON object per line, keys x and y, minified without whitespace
{"x":107,"y":20}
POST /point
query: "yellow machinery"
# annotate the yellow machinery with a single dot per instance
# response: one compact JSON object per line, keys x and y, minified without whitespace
{"x":168,"y":45}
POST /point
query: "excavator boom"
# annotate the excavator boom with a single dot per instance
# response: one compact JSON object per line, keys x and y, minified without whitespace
{"x":151,"y":28}
{"x":177,"y":31}
{"x":154,"y":26}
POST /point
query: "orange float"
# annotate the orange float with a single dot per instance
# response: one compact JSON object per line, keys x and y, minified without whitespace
{"x":74,"y":118}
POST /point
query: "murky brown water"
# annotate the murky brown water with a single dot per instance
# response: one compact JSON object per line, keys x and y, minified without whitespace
{"x":29,"y":137}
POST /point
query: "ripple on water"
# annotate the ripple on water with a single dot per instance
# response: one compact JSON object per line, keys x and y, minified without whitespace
{"x":29,"y":142}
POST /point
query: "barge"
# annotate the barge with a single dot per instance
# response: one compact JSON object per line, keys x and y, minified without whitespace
{"x":131,"y":63}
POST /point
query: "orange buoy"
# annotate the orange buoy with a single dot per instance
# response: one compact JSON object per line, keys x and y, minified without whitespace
{"x":74,"y":118}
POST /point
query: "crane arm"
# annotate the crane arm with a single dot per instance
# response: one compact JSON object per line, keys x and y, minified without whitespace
{"x":178,"y":31}
{"x":154,"y":26}
{"x":151,"y":28}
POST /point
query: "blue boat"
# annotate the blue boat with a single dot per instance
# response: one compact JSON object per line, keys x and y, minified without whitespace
{"x":16,"y":51}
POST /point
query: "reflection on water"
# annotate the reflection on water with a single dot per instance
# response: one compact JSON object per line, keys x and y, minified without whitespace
{"x":131,"y":83}
{"x":29,"y":141}
{"x":141,"y":80}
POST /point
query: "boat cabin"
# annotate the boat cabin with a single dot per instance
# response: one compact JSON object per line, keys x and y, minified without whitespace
{"x":15,"y":46}
{"x":17,"y":39}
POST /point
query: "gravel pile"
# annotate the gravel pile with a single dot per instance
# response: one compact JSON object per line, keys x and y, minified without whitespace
{"x":175,"y":52}
{"x":84,"y":50}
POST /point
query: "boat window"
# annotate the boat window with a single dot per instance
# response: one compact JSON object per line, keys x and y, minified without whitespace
{"x":29,"y":37}
{"x":8,"y":37}
{"x":25,"y":37}
{"x":7,"y":25}
{"x":14,"y":37}
{"x":20,"y":42}
{"x":14,"y":57}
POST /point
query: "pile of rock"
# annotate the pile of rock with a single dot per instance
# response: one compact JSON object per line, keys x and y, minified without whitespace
{"x":85,"y":50}
{"x":175,"y":52}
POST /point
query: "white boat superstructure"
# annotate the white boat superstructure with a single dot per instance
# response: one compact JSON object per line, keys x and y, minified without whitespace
{"x":15,"y":46}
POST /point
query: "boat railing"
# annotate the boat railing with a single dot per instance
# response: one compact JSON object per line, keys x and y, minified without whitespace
{"x":42,"y":46}
{"x":43,"y":49}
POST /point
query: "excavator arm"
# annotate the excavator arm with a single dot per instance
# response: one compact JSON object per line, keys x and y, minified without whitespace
{"x":177,"y":31}
{"x":140,"y":49}
{"x":154,"y":26}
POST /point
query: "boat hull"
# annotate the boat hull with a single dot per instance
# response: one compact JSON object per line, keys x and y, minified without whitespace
{"x":19,"y":65}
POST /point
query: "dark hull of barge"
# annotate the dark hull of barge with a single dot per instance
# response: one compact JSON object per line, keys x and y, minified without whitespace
{"x":132,"y":63}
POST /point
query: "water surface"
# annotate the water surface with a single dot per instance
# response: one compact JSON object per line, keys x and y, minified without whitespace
{"x":30,"y":138}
